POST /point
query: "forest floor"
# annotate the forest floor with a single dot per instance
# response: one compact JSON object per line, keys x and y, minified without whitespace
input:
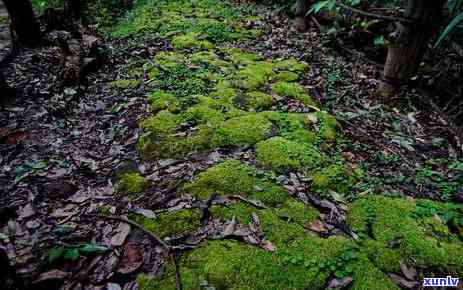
{"x":260,"y":157}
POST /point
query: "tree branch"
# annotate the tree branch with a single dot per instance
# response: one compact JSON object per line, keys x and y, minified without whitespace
{"x":372,"y":15}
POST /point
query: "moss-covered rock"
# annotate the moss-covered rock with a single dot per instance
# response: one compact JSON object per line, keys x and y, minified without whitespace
{"x":282,"y":155}
{"x":131,"y":184}
{"x":170,"y":223}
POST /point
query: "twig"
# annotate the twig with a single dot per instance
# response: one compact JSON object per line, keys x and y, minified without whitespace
{"x":258,"y":204}
{"x":132,"y":223}
{"x":372,"y":15}
{"x":178,"y":283}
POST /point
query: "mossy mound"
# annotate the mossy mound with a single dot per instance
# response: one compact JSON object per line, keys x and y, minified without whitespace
{"x":399,"y":231}
{"x":283,"y":155}
{"x":124,"y":84}
{"x":300,"y":260}
{"x":131,"y":184}
{"x":225,"y":104}
{"x":199,"y":22}
{"x":233,"y":177}
{"x":170,"y":223}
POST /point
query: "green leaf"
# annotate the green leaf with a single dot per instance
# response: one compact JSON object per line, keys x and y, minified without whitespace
{"x":36,"y":165}
{"x":449,"y":28}
{"x":72,"y":254}
{"x":339,"y":274}
{"x":3,"y":237}
{"x":379,"y":40}
{"x":92,"y":249}
{"x":54,"y":254}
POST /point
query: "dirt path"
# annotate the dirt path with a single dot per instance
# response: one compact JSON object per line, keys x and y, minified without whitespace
{"x":268,"y":157}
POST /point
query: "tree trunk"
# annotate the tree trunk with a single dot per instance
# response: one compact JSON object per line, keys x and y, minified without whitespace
{"x":408,"y":44}
{"x":23,"y":21}
{"x":7,"y":91}
{"x":300,"y":22}
{"x":73,"y":8}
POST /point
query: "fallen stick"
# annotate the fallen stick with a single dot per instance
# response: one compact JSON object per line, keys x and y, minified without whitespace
{"x":168,"y":248}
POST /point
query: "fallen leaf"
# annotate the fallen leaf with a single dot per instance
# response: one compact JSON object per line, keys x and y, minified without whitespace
{"x":230,"y":227}
{"x":145,"y":212}
{"x":122,"y":231}
{"x":409,"y":272}
{"x":26,"y":212}
{"x":267,"y":245}
{"x":400,"y":281}
{"x":132,"y":258}
{"x":52,"y":275}
{"x":317,"y":226}
{"x":339,"y":283}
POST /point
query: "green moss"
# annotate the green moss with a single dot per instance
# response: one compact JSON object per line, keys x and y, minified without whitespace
{"x":244,"y":130}
{"x":222,"y":179}
{"x":239,"y":57}
{"x":190,"y":40}
{"x":283,"y":155}
{"x":170,"y":223}
{"x":291,"y":65}
{"x":393,"y":219}
{"x":254,"y":75}
{"x":297,"y":211}
{"x":163,"y":122}
{"x":327,"y":126}
{"x":334,"y":177}
{"x":367,"y":276}
{"x":168,"y":60}
{"x":203,"y":113}
{"x":254,"y":101}
{"x":292,"y":90}
{"x":161,"y":100}
{"x":233,"y":265}
{"x":132,"y":184}
{"x":287,"y":76}
{"x":124,"y":84}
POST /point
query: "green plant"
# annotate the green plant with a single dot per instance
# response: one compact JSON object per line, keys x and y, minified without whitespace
{"x":450,"y":27}
{"x":72,"y":252}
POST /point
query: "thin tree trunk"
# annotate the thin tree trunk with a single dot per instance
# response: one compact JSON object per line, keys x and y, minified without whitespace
{"x":408,"y":44}
{"x":300,"y":22}
{"x":7,"y":91}
{"x":23,"y":21}
{"x":73,"y":8}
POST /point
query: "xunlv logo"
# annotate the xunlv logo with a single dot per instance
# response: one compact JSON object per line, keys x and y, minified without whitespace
{"x":449,"y":281}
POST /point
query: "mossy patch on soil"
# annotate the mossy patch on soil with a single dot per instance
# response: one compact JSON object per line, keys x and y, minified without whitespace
{"x":283,"y":155}
{"x":170,"y":223}
{"x":131,"y":184}
{"x":233,"y":177}
{"x":394,"y":221}
{"x":124,"y":84}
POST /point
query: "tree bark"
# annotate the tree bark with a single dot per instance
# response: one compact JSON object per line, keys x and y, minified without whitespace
{"x":408,"y":44}
{"x":7,"y":91}
{"x":73,"y":8}
{"x":300,"y":22}
{"x":23,"y":21}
